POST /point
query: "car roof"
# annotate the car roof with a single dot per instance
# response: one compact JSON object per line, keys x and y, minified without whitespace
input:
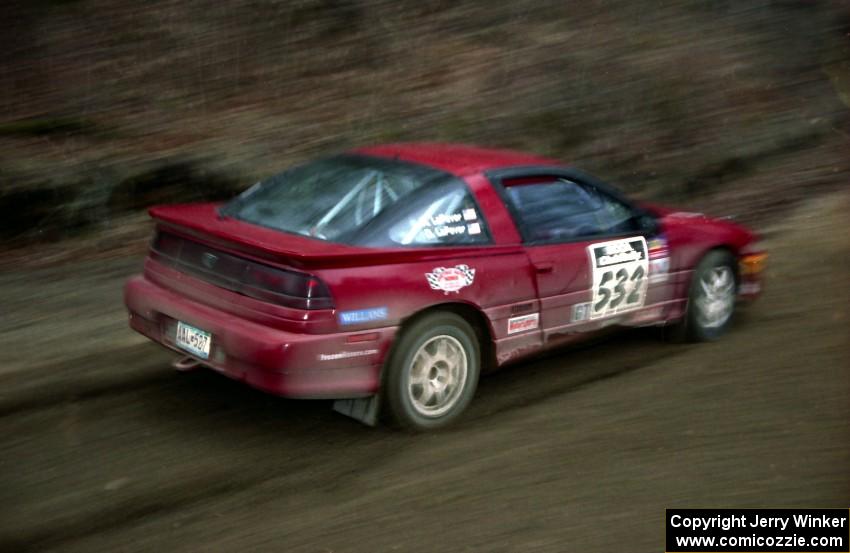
{"x":459,"y":159}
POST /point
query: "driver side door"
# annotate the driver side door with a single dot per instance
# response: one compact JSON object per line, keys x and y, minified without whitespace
{"x":587,"y":245}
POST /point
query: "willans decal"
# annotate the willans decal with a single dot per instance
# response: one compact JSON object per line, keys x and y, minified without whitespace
{"x":450,"y":279}
{"x":362,"y":316}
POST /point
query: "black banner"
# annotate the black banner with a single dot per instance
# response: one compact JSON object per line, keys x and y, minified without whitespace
{"x":758,"y":530}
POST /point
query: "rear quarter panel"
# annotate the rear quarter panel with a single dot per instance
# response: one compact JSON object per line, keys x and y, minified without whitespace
{"x":401,"y":290}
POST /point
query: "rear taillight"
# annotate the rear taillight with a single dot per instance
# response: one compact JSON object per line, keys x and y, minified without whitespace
{"x":240,"y":275}
{"x":285,"y":287}
{"x":167,"y":244}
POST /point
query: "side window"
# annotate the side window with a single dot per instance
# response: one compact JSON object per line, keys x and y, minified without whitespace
{"x":444,"y":214}
{"x":616,"y":217}
{"x":561,"y":210}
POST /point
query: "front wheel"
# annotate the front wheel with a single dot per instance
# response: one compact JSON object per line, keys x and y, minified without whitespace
{"x":433,"y":373}
{"x":711,"y":300}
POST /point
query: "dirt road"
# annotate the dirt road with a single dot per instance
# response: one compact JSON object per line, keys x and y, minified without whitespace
{"x":104,"y":448}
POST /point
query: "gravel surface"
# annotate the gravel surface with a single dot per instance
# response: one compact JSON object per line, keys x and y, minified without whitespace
{"x":104,"y":448}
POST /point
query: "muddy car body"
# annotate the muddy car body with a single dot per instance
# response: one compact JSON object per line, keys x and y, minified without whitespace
{"x":391,"y":276}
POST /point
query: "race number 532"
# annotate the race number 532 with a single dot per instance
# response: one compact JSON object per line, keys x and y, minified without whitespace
{"x":619,"y":269}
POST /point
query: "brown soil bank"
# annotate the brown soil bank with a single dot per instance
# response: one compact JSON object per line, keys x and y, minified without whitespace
{"x":110,"y":105}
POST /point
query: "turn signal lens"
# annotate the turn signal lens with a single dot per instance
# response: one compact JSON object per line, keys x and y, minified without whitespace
{"x":752,"y":264}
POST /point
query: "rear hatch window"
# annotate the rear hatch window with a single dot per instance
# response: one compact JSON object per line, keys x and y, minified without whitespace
{"x":364,"y":201}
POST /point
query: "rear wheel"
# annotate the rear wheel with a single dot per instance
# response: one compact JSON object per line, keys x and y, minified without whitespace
{"x":711,"y":300}
{"x":432,"y":376}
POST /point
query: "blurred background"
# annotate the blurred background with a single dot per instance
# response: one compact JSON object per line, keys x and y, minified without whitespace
{"x":109,"y":106}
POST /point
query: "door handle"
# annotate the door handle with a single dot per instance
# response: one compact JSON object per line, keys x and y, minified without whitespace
{"x":544,"y":267}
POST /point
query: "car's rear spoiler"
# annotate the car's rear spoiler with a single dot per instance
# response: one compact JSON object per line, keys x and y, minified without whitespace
{"x":204,"y":223}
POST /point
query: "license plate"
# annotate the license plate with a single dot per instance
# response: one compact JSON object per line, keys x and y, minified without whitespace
{"x":193,"y":340}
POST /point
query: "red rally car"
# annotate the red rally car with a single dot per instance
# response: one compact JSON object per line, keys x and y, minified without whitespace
{"x":389,"y":277}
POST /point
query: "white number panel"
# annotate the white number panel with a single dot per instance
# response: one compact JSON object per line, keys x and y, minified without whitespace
{"x":619,"y":270}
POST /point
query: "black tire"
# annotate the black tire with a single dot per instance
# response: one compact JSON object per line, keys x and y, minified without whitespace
{"x":407,"y":402}
{"x":700,"y":324}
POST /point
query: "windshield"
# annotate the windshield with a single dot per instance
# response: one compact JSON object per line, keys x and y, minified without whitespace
{"x":362,"y":200}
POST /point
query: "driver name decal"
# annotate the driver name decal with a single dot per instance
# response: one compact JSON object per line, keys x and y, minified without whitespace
{"x":619,"y":269}
{"x":450,"y":279}
{"x":445,"y":225}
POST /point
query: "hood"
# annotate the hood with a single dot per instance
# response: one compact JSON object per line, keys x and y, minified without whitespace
{"x":700,"y":225}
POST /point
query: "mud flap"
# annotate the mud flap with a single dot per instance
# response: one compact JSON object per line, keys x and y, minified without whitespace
{"x":363,"y":409}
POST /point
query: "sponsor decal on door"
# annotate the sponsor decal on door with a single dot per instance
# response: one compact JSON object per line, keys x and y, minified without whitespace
{"x":620,"y":270}
{"x":580,"y":312}
{"x":523,"y":323}
{"x":659,"y":259}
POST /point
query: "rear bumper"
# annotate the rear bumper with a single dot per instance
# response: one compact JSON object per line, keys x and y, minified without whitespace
{"x":283,"y":363}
